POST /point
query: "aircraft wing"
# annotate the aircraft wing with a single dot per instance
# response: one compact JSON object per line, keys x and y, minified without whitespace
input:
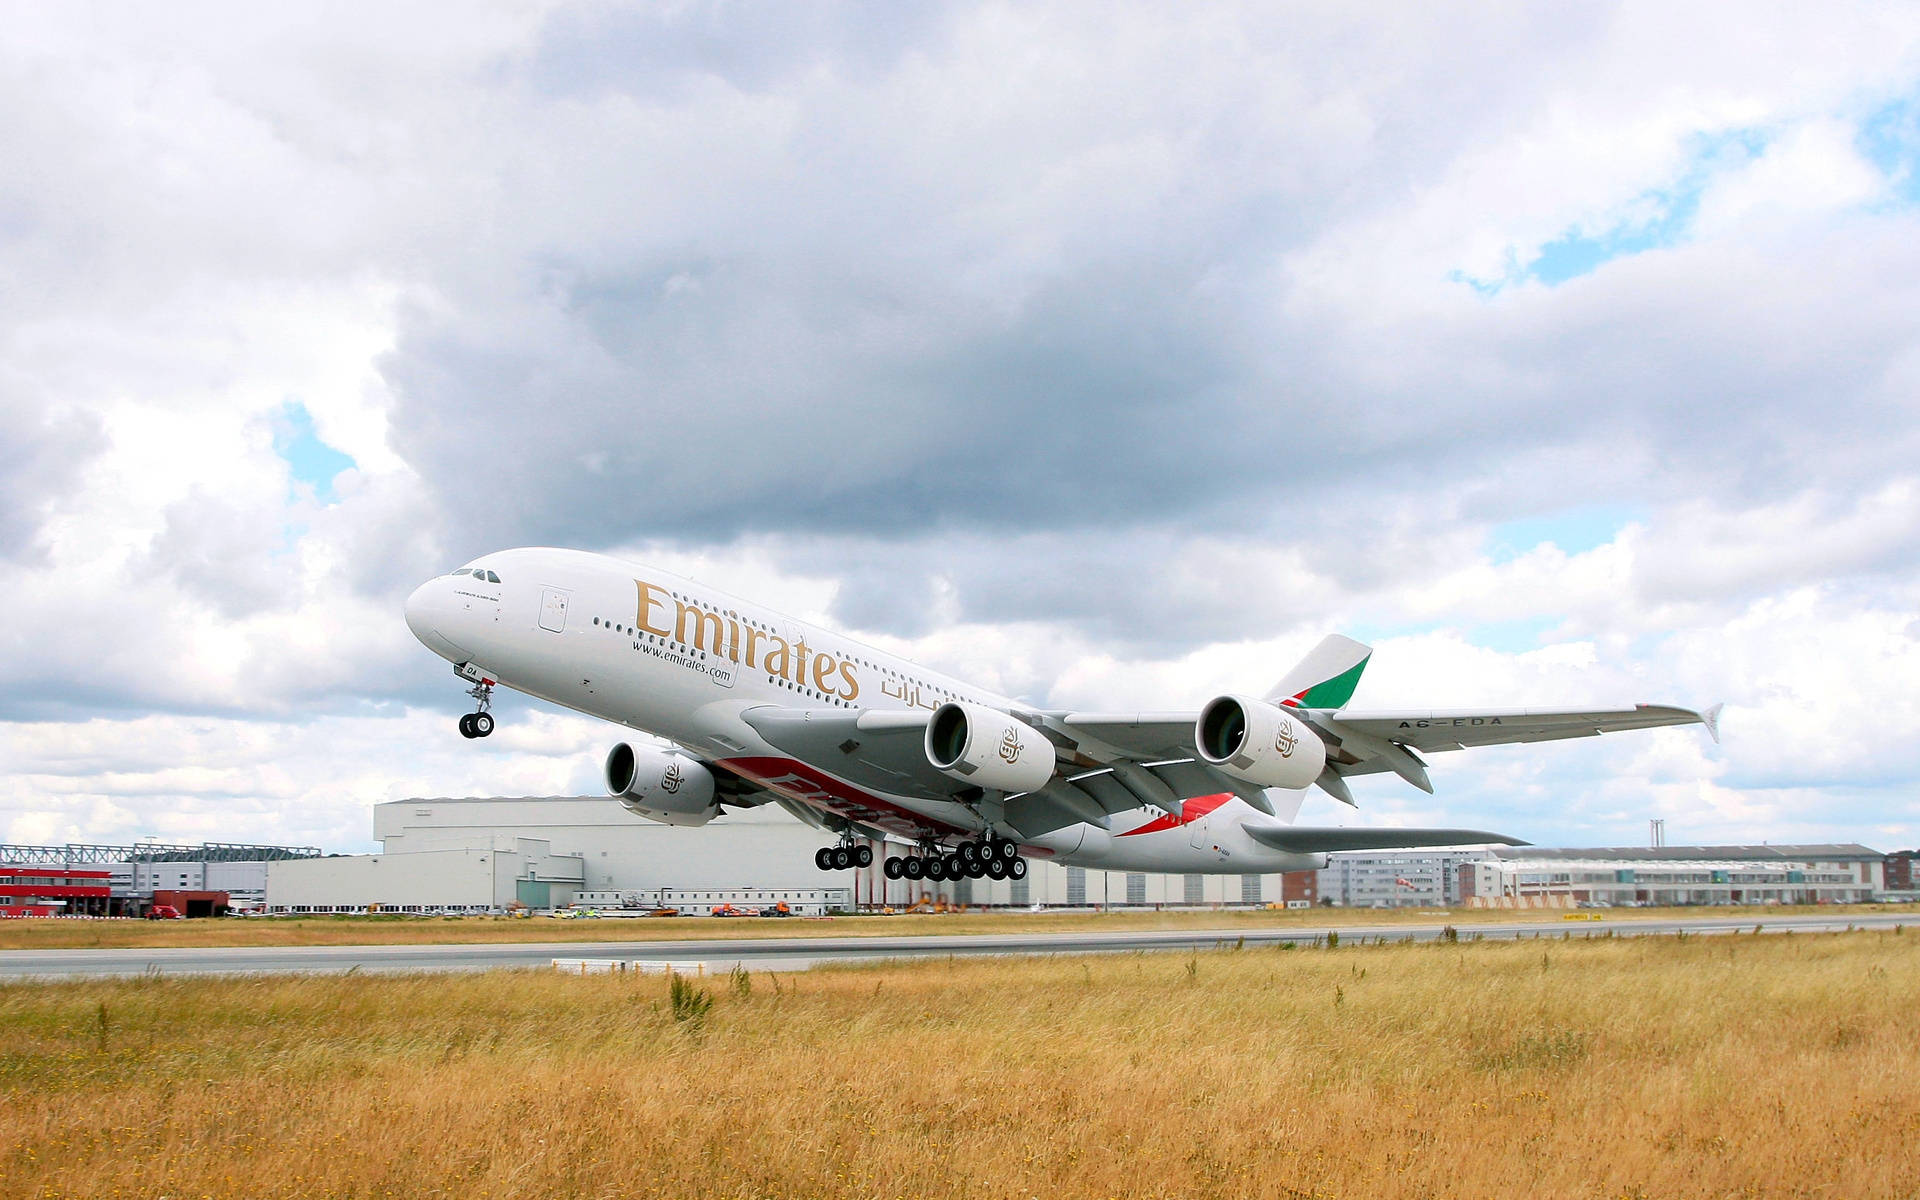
{"x":1146,"y":736}
{"x":1447,"y":730}
{"x":1307,"y":839}
{"x":1170,"y":734}
{"x":1111,"y":762}
{"x":881,"y":749}
{"x":1363,"y":743}
{"x":884,"y":750}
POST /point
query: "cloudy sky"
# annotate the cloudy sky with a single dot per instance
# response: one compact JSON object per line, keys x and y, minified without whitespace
{"x":1108,"y":356}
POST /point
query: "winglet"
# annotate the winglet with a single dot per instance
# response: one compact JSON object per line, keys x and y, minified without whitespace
{"x":1326,"y":677}
{"x":1711,"y":719}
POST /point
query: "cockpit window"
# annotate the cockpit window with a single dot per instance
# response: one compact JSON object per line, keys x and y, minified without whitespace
{"x":491,"y":577}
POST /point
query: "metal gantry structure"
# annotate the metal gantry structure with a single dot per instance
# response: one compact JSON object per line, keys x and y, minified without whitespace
{"x":86,"y":854}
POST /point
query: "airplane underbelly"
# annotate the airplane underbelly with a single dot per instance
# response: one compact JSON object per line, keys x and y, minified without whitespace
{"x":797,"y":781}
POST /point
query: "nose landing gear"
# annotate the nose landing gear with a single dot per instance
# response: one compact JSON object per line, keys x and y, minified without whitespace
{"x":478,"y":724}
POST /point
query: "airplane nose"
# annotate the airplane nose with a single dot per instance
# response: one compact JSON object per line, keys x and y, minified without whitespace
{"x":431,"y":612}
{"x":420,"y":610}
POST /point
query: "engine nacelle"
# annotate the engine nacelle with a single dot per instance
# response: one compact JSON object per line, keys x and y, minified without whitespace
{"x":1259,"y":742}
{"x":661,"y":786}
{"x":987,"y":748}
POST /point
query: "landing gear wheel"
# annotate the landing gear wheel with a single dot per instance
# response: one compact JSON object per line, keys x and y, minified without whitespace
{"x":913,"y":868}
{"x":863,"y":856}
{"x":842,"y":858}
{"x":969,"y":852}
{"x":997,"y":868}
{"x":1017,"y":868}
{"x":891,"y":868}
{"x":1009,"y":851}
{"x":823,"y":858}
{"x":936,"y":868}
{"x":479,"y":722}
{"x":955,"y":868}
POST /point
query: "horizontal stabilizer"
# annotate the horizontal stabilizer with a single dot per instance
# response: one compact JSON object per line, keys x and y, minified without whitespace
{"x":1305,"y":839}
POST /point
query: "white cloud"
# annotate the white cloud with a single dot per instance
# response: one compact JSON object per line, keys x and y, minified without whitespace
{"x":1813,"y":170}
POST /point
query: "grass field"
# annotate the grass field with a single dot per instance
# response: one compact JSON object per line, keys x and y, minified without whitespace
{"x":1660,"y":1067}
{"x":400,"y":930}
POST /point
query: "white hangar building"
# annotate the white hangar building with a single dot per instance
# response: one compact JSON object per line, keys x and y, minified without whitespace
{"x":476,"y":853}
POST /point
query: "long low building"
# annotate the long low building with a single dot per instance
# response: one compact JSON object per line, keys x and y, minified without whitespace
{"x":480,"y":853}
{"x":545,"y":851}
{"x":1519,"y":876}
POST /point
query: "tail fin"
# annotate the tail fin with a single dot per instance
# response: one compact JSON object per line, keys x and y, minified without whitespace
{"x":1326,"y":677}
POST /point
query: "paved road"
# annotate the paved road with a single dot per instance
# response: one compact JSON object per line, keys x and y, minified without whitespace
{"x":799,"y":953}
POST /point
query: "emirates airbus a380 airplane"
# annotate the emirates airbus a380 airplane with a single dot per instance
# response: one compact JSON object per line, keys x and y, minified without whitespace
{"x":760,"y":707}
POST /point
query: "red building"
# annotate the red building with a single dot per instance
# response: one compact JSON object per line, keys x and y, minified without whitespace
{"x":1300,"y":885}
{"x":48,"y":891}
{"x":195,"y":904}
{"x":1900,"y":870}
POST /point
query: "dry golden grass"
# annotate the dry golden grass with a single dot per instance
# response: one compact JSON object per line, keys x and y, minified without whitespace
{"x":1662,"y":1067}
{"x":399,"y":930}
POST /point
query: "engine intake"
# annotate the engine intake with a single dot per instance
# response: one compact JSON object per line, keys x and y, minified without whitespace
{"x":1261,"y":743}
{"x":988,"y":748}
{"x":661,"y":786}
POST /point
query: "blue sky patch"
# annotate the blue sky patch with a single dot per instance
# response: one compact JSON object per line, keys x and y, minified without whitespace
{"x":309,"y":460}
{"x":1890,"y":140}
{"x":1574,"y":530}
{"x":1516,"y":636}
{"x":1657,"y":218}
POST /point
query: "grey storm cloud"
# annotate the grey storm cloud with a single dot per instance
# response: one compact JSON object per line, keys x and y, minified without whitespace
{"x":764,"y":403}
{"x":814,"y":350}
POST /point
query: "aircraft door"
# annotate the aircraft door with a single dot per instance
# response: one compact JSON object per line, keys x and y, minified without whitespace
{"x":1197,"y":834}
{"x":553,"y":610}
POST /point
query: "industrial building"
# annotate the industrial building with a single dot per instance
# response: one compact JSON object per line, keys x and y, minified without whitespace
{"x":1395,"y":879}
{"x":54,"y":891}
{"x":481,"y":854}
{"x":477,"y":854}
{"x":1533,"y":876}
{"x":1899,"y":871}
{"x":548,"y":851}
{"x":1520,"y":876}
{"x":86,"y":879}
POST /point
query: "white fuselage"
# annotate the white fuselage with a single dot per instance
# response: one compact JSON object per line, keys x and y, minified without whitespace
{"x":655,"y":652}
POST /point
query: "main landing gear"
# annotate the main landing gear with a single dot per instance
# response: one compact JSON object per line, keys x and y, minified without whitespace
{"x":989,"y":859}
{"x":843,"y":856}
{"x":478,"y":724}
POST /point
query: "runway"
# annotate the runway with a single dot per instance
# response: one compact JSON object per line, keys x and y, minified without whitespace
{"x":788,"y":953}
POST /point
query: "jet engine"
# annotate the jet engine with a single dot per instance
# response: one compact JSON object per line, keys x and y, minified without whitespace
{"x":1261,"y":743}
{"x":661,"y":786}
{"x":988,"y":748}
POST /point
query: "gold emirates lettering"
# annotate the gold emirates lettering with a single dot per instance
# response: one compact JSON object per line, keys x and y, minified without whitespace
{"x":704,"y":629}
